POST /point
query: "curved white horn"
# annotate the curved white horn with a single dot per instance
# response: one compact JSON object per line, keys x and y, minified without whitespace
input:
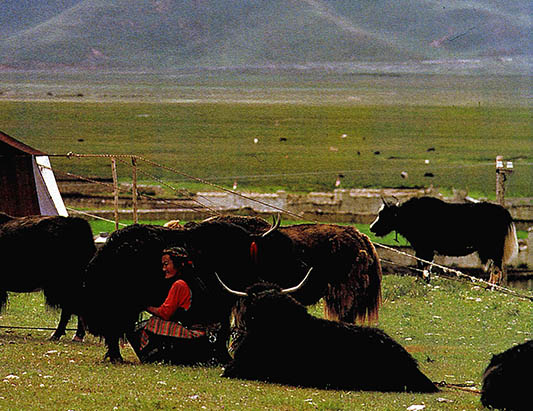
{"x":276,"y":221}
{"x":239,"y":293}
{"x":293,"y":289}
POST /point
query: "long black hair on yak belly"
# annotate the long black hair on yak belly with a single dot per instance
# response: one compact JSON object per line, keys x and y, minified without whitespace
{"x":506,"y":382}
{"x":49,"y":253}
{"x":280,"y":342}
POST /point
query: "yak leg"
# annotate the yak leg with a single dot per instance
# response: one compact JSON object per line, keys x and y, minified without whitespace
{"x":221,"y":351}
{"x":62,"y":326}
{"x":3,"y":298}
{"x":496,"y":274}
{"x":113,"y":350}
{"x":425,"y":268}
{"x":80,"y":331}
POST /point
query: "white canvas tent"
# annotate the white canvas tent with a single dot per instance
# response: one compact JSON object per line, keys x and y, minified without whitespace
{"x":27,"y":182}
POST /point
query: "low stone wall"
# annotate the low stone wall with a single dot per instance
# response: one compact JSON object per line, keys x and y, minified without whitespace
{"x":339,"y":206}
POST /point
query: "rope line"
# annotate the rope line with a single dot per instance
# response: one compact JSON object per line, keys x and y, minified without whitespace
{"x":176,"y":171}
{"x":94,"y":216}
{"x":177,"y":190}
{"x":227,"y":190}
{"x":20,"y":327}
{"x":457,"y":274}
{"x":462,"y":387}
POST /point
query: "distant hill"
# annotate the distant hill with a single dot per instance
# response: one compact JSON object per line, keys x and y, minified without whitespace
{"x":166,"y":34}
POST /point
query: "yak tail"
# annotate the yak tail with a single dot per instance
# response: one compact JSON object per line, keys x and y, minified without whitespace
{"x":510,"y":246}
{"x":357,"y":299}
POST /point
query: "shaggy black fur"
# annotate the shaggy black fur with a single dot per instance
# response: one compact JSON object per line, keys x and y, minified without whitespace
{"x":125,"y":276}
{"x":505,"y":382}
{"x":435,"y":227}
{"x":280,"y":342}
{"x":48,"y":253}
{"x":346,"y":266}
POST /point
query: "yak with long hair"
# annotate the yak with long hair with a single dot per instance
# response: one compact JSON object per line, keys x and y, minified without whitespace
{"x":505,"y":381}
{"x":347,"y":270}
{"x":46,"y":253}
{"x":433,"y":226}
{"x":278,"y":341}
{"x":125,"y":275}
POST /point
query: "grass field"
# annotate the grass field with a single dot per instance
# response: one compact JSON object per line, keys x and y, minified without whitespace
{"x":447,"y":143}
{"x":451,"y":328}
{"x":390,"y":124}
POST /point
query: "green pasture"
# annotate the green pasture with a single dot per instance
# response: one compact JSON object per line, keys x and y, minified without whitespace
{"x":451,"y":328}
{"x":299,"y":148}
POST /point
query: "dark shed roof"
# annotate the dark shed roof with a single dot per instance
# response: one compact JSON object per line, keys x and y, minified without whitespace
{"x":10,"y":146}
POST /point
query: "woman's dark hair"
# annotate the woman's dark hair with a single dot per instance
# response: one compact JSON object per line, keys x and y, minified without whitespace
{"x":177,"y":254}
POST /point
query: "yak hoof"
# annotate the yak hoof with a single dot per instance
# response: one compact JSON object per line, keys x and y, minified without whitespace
{"x":77,"y":339}
{"x":426,"y":276}
{"x":114,"y":359}
{"x":54,"y":337}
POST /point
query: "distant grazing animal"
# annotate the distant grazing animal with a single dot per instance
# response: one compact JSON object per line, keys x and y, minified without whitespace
{"x":279,"y":342}
{"x":434,"y":226}
{"x":347,"y":270}
{"x":48,"y":253}
{"x":506,"y":382}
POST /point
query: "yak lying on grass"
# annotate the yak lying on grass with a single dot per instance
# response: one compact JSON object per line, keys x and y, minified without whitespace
{"x":48,"y":253}
{"x":347,"y":270}
{"x":506,"y":384}
{"x":278,"y":341}
{"x":435,"y":227}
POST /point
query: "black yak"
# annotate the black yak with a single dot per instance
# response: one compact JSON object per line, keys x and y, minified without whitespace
{"x":277,"y":340}
{"x":347,"y":270}
{"x":48,"y":253}
{"x":125,"y":275}
{"x":434,"y":226}
{"x":506,"y":383}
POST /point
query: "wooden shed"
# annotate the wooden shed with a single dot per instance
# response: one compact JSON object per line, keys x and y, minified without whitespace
{"x":27,"y":182}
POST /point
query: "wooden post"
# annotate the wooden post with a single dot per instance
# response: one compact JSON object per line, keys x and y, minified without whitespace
{"x":115,"y":188}
{"x":134,"y":188}
{"x":502,"y":170}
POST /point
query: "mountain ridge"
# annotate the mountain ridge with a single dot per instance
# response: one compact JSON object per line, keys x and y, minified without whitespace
{"x":164,"y":34}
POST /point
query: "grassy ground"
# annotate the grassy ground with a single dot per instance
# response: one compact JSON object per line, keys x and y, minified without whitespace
{"x":299,"y":147}
{"x":451,"y":328}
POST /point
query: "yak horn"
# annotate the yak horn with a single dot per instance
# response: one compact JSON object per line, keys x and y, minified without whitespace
{"x":239,"y":293}
{"x":276,"y":221}
{"x":293,"y":289}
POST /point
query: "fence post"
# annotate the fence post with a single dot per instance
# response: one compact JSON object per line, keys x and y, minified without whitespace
{"x":502,"y":170}
{"x":134,"y":188}
{"x":115,"y":189}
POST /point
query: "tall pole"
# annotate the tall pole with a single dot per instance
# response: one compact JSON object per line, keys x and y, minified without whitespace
{"x":502,"y":170}
{"x":115,"y":188}
{"x":134,"y":188}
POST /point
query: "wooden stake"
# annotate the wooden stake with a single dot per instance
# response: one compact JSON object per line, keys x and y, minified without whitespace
{"x":502,"y":170}
{"x":115,"y":188}
{"x":134,"y":188}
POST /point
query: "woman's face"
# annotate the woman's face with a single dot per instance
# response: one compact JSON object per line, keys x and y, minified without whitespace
{"x":168,"y":266}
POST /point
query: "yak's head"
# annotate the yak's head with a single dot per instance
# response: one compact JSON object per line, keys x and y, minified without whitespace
{"x":264,"y":305}
{"x":386,"y":220}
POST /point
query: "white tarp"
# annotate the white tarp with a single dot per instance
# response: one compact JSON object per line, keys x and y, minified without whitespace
{"x":50,"y":201}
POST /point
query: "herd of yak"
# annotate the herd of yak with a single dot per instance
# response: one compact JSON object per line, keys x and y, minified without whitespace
{"x":262,"y":276}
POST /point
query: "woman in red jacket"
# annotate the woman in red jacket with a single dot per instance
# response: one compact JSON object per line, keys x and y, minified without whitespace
{"x":175,"y":262}
{"x":169,"y":336}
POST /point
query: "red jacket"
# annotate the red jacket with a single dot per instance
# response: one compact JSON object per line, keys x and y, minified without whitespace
{"x":179,"y":296}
